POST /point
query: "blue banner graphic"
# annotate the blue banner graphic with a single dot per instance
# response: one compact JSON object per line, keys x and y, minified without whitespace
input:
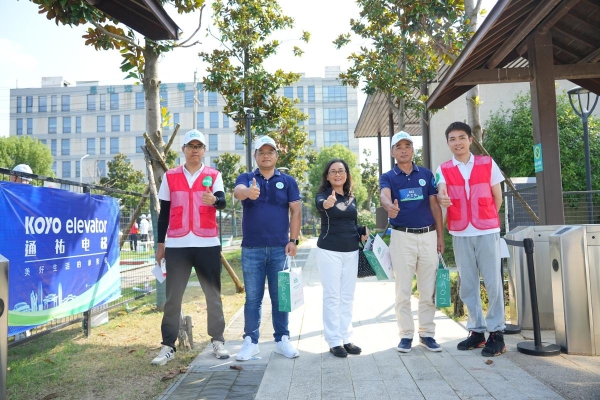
{"x":63,"y":250}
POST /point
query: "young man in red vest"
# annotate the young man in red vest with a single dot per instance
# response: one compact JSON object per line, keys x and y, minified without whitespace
{"x":189,"y":197}
{"x":469,"y":186}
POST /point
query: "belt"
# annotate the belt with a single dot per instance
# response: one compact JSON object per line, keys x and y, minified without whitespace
{"x":414,"y":230}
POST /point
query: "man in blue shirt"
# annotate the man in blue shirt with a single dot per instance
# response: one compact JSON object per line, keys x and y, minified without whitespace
{"x":272,"y":207}
{"x":409,"y":195}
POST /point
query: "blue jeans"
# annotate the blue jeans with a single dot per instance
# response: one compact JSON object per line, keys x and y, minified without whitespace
{"x":258,"y":264}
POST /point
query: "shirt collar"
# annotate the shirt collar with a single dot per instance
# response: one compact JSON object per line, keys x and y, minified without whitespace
{"x":398,"y":171}
{"x":257,"y":172}
{"x":455,"y":162}
{"x":185,"y":170}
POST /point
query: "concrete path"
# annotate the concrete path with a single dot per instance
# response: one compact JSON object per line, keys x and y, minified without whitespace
{"x":380,"y":372}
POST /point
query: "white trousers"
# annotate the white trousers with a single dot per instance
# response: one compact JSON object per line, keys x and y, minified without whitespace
{"x":414,"y":254}
{"x":338,"y":277}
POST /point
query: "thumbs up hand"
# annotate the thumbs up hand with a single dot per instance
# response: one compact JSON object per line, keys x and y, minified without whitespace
{"x":253,"y":190}
{"x":330,"y":201}
{"x":208,"y":197}
{"x":443,"y":197}
{"x":393,"y":210}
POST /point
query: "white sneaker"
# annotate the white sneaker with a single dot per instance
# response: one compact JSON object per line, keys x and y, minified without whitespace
{"x":219,"y":349}
{"x":285,"y":348}
{"x":248,"y":350}
{"x":165,"y":355}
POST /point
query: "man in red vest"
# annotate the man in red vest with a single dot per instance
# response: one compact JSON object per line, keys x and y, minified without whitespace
{"x":189,"y":197}
{"x":469,"y":186}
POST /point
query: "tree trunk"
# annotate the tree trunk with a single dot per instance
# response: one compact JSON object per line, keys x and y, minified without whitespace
{"x":472,"y":8}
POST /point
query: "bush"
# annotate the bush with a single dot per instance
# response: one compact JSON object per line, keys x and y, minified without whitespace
{"x":367,"y":218}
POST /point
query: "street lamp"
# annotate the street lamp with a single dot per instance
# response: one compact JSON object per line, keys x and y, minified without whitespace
{"x":81,"y":168}
{"x":249,"y":116}
{"x":584,"y":110}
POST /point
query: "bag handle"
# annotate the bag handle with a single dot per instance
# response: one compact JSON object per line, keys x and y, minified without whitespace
{"x":441,"y":263}
{"x":289,"y":260}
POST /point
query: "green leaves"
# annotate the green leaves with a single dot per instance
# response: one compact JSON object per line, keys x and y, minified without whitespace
{"x":16,"y":150}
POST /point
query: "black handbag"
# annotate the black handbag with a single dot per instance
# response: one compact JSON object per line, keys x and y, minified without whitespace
{"x":364,"y":268}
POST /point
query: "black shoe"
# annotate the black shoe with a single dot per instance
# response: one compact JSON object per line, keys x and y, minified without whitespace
{"x":352,"y":348}
{"x":339,"y":351}
{"x":474,"y":341}
{"x":494,"y":345}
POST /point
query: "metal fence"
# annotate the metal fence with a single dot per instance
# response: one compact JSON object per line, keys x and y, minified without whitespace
{"x":136,"y":261}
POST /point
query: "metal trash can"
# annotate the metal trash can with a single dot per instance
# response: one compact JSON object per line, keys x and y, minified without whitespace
{"x":518,"y":281}
{"x":3,"y":324}
{"x":575,"y":272}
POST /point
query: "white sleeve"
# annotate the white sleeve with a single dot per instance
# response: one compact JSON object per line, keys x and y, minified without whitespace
{"x":218,"y":185}
{"x":497,"y":176}
{"x":439,"y":177}
{"x":164,"y":193}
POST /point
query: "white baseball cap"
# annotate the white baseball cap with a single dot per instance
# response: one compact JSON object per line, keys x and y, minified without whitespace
{"x":194,"y":134}
{"x":143,"y":216}
{"x":401,"y":136}
{"x":23,"y":168}
{"x":264,"y":140}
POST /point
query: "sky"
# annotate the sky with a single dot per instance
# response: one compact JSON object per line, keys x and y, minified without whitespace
{"x":33,"y":47}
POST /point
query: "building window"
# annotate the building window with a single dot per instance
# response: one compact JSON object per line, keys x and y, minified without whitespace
{"x":91,"y":102}
{"x":312,"y":136}
{"x":239,"y":142}
{"x":200,"y":88}
{"x":53,"y":147}
{"x":335,"y":116}
{"x":175,"y":118}
{"x":139,"y":142}
{"x":65,"y":147}
{"x":77,"y":124}
{"x":19,"y":105}
{"x":225,"y":121}
{"x":189,"y":98}
{"x":77,"y":169}
{"x":19,"y":126}
{"x":103,"y":102}
{"x":212,"y":98}
{"x":52,"y":125}
{"x":301,"y":121}
{"x":53,"y":103}
{"x":333,"y":137}
{"x":213,"y":142}
{"x":102,"y":146}
{"x":312,"y":116}
{"x":101,"y":123}
{"x":214,"y":119}
{"x":300,"y":91}
{"x":54,"y":167}
{"x":29,"y":126}
{"x":42,"y":104}
{"x":334,"y":93}
{"x":66,"y":124}
{"x":114,"y":145}
{"x":288,"y":92}
{"x":91,"y":146}
{"x":127,"y":123}
{"x":66,"y":169}
{"x":29,"y":104}
{"x":139,"y":100}
{"x":114,"y":101}
{"x":200,"y":120}
{"x":311,"y":94}
{"x":102,"y":168}
{"x":164,"y":98}
{"x":115,"y":123}
{"x":65,"y":102}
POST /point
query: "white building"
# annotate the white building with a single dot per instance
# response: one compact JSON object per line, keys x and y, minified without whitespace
{"x":87,"y":118}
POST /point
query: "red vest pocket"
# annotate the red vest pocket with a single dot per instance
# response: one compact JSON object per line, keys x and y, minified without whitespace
{"x":176,"y":218}
{"x":454,"y":211}
{"x":487,"y":208}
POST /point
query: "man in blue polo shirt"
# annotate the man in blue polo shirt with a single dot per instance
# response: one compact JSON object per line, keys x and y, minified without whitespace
{"x":272,"y":209}
{"x":409,"y":195}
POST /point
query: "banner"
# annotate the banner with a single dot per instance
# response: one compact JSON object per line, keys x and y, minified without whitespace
{"x":63,"y":250}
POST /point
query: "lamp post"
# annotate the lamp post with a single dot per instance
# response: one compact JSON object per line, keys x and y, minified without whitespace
{"x":249,"y":116}
{"x":81,"y":168}
{"x":583,"y":110}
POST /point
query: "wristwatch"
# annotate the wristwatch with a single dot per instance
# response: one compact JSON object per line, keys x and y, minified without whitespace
{"x":295,"y":241}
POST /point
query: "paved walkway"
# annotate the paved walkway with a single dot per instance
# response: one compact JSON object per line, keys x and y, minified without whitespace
{"x":380,"y":372}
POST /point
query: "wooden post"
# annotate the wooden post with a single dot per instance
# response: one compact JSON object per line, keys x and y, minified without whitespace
{"x":238,"y":284}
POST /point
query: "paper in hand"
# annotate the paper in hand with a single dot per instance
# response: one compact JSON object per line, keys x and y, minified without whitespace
{"x":158,"y":273}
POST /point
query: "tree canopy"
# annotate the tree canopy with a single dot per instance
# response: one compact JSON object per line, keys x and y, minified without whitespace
{"x":509,"y":140}
{"x":121,"y":175}
{"x":15,"y":150}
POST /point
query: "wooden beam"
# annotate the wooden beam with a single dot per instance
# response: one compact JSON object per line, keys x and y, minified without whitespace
{"x":521,"y":33}
{"x":510,"y":75}
{"x":556,"y":15}
{"x":592,"y":57}
{"x":577,"y":71}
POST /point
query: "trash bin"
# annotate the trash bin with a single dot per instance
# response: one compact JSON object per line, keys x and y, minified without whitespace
{"x":575,"y":273}
{"x":518,"y":281}
{"x":3,"y":324}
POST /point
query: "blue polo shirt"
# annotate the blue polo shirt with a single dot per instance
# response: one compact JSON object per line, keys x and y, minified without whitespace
{"x":266,"y":220}
{"x":412,"y":192}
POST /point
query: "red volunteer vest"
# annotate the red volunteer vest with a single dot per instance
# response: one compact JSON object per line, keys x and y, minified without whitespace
{"x":479,"y":209}
{"x":188,"y":214}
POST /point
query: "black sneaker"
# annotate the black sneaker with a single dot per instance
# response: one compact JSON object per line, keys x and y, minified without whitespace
{"x":494,"y":345}
{"x":352,"y":348}
{"x":339,"y":351}
{"x":474,"y":341}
